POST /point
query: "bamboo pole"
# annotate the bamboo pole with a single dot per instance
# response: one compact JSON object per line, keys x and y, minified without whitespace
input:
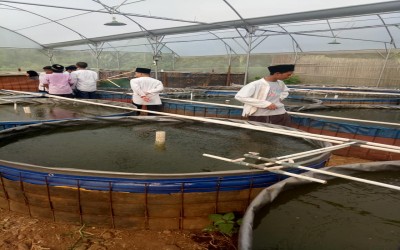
{"x":275,"y":171}
{"x":113,"y":83}
{"x":126,"y":73}
{"x":292,"y":165}
{"x":332,"y":139}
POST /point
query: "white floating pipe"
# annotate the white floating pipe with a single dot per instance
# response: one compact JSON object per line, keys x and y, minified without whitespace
{"x":276,"y":171}
{"x":331,"y":139}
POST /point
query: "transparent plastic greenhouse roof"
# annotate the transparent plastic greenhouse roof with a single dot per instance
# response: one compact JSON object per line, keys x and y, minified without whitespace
{"x":207,"y":27}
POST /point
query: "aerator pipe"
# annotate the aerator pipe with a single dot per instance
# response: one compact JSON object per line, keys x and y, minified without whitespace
{"x":306,"y":135}
{"x":292,"y":165}
{"x":276,"y":171}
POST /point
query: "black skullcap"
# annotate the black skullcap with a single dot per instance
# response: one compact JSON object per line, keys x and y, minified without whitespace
{"x":57,"y":68}
{"x":71,"y":67}
{"x":47,"y":67}
{"x":32,"y":73}
{"x":283,"y":68}
{"x":143,"y":70}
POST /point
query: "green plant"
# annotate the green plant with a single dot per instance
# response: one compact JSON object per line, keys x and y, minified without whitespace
{"x":293,"y":80}
{"x":257,"y":78}
{"x":225,"y":224}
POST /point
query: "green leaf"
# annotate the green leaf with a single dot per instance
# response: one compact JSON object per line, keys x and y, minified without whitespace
{"x":239,"y":221}
{"x":229,"y":216}
{"x":219,"y":222}
{"x":226,"y":228}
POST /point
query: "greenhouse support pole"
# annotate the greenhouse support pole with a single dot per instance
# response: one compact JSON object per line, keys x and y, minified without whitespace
{"x":250,"y":32}
{"x":118,"y":61}
{"x":384,"y":66}
{"x":228,"y":74}
{"x":50,"y":55}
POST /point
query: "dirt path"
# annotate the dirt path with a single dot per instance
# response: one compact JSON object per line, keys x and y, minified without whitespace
{"x":19,"y":232}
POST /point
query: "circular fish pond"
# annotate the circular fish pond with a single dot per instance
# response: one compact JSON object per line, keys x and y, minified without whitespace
{"x":380,"y":113}
{"x":111,"y":171}
{"x":131,"y":146}
{"x":348,"y":97}
{"x":384,"y":128}
{"x":340,"y":215}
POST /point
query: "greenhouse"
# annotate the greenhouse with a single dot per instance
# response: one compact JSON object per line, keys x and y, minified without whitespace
{"x":199,"y":166}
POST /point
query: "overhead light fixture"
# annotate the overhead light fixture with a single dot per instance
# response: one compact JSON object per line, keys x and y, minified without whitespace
{"x":114,"y":22}
{"x":334,"y":42}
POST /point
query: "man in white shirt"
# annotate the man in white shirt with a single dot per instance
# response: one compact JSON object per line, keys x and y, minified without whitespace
{"x":85,"y":81}
{"x":263,"y":98}
{"x":42,"y":79}
{"x":146,"y":91}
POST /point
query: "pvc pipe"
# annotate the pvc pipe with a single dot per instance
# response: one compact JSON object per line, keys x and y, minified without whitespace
{"x":331,"y":173}
{"x":160,"y":139}
{"x":311,"y":152}
{"x":27,"y":110}
{"x":276,"y":171}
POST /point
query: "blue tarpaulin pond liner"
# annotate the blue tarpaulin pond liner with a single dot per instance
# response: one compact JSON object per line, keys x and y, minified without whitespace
{"x":14,"y":112}
{"x":340,"y":215}
{"x":125,"y":199}
{"x":380,"y":133}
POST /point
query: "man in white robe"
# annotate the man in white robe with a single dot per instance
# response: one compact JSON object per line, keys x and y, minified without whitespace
{"x":263,"y":98}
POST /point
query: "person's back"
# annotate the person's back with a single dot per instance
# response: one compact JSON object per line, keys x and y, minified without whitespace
{"x":58,"y":83}
{"x":85,"y":81}
{"x":146,"y":90}
{"x":42,"y":79}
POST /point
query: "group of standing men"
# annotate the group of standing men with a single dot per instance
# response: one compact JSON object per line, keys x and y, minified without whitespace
{"x":262,"y":98}
{"x":76,"y":81}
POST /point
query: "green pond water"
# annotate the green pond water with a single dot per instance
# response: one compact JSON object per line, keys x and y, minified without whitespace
{"x":340,"y":215}
{"x":129,"y":147}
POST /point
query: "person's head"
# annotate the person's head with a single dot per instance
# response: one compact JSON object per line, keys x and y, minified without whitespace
{"x":71,"y":68}
{"x":57,"y":68}
{"x":141,"y":72}
{"x":47,"y":69}
{"x":31,"y":73}
{"x":282,"y":71}
{"x":81,"y":65}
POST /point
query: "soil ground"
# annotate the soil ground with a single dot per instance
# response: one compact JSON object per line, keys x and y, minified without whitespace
{"x":20,"y":232}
